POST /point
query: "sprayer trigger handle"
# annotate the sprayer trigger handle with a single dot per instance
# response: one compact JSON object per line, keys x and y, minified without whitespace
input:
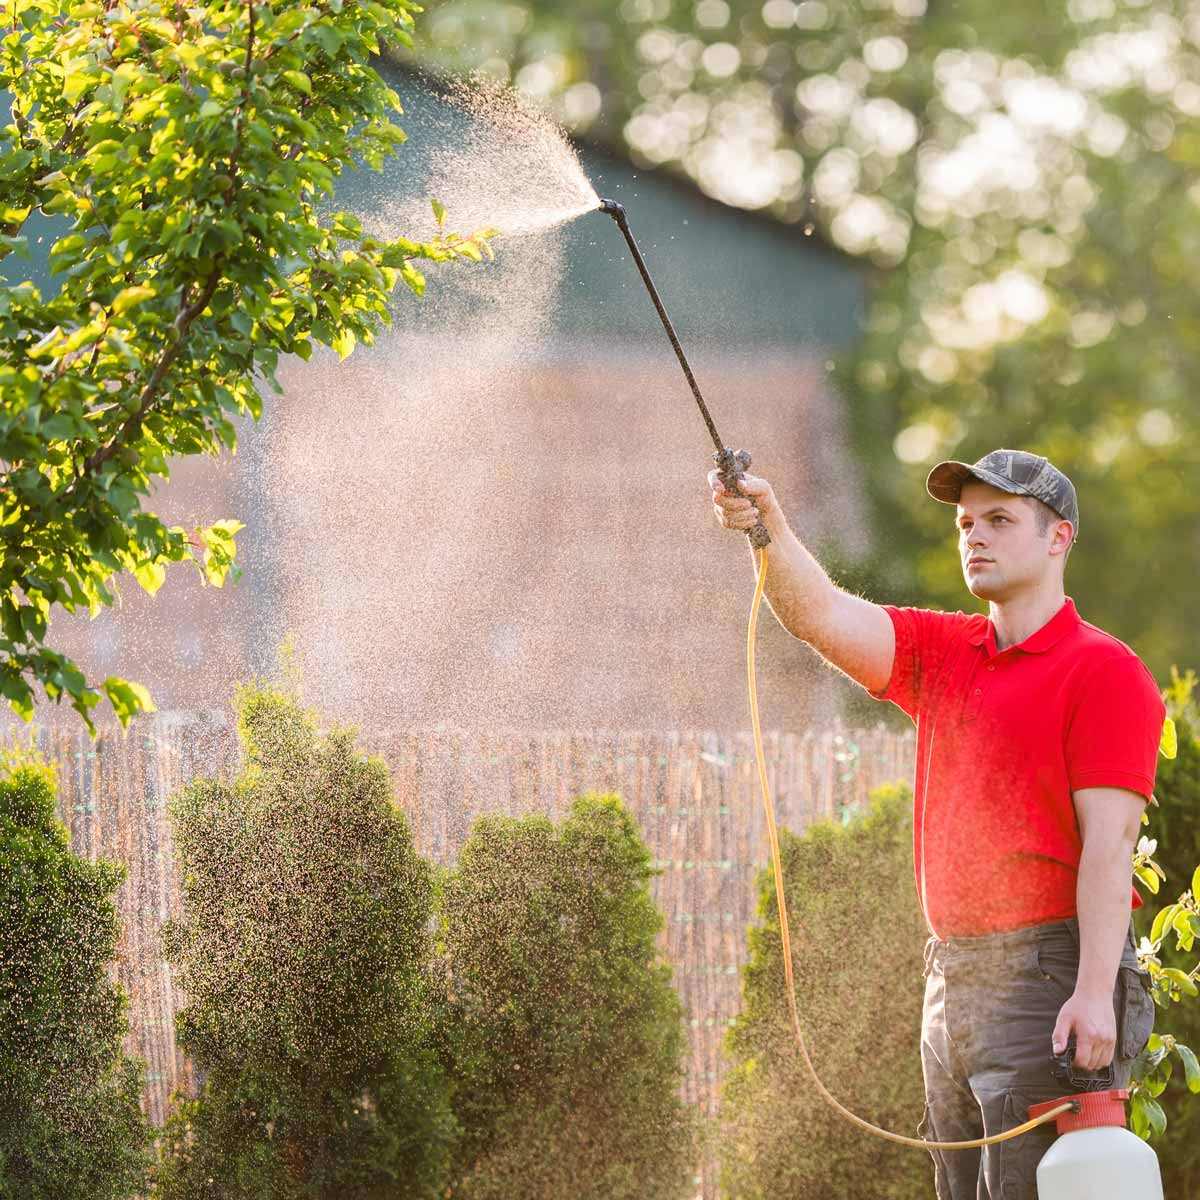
{"x":731,"y":466}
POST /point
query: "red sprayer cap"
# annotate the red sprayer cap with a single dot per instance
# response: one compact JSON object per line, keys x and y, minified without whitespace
{"x":1095,"y":1108}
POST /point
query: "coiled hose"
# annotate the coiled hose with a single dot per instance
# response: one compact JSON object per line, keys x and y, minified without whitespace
{"x":785,"y":938}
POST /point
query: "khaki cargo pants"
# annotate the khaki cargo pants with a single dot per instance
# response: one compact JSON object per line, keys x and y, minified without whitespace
{"x":990,"y":1008}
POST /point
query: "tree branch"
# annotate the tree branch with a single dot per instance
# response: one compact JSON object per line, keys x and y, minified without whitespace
{"x":188,"y":312}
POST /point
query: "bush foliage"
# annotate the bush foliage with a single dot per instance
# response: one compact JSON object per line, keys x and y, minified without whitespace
{"x":560,"y":1027}
{"x":303,"y":945}
{"x":70,"y":1123}
{"x":857,"y":941}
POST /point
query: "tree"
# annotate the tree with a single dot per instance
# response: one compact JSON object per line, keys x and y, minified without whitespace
{"x":190,"y":153}
{"x":560,"y":1025}
{"x":846,"y":886}
{"x":1023,"y":179}
{"x":71,"y":1127}
{"x":303,"y":946}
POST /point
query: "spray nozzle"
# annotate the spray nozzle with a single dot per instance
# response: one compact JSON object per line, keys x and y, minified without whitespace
{"x":614,"y":210}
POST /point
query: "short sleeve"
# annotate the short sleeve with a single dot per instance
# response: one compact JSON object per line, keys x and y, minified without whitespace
{"x":922,"y":638}
{"x":1115,"y":727}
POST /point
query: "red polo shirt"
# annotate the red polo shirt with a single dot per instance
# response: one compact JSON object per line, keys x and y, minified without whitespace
{"x":1003,"y":739}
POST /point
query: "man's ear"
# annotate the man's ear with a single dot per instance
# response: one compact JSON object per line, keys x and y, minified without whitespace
{"x":1062,"y":537}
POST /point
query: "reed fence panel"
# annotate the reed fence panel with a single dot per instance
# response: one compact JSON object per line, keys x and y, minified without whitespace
{"x":694,"y":795}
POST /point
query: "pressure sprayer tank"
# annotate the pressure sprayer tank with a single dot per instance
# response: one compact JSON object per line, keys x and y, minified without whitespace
{"x":1096,"y":1157}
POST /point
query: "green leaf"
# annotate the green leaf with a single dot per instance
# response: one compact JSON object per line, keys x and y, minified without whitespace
{"x":1168,"y":744}
{"x":414,"y":279}
{"x":1156,"y":1117}
{"x":1191,"y":1067}
{"x":131,"y":297}
{"x":1156,"y":1081}
{"x":1182,"y":924}
{"x":219,"y":551}
{"x":344,"y":343}
{"x":1148,"y":877}
{"x":328,"y":38}
{"x":300,"y":81}
{"x":1180,"y":979}
{"x":78,"y":76}
{"x":151,"y":576}
{"x":1162,"y":920}
{"x":439,"y":211}
{"x":1196,"y":883}
{"x":127,"y":699}
{"x":122,"y":77}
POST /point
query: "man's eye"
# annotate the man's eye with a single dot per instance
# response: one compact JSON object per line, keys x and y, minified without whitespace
{"x":997,"y":519}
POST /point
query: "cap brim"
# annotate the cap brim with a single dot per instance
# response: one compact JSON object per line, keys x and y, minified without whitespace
{"x":945,"y":482}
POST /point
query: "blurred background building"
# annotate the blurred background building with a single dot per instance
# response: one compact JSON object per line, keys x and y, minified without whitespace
{"x":498,"y":515}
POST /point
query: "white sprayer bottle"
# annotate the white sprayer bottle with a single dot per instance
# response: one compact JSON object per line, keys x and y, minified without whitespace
{"x":1096,"y":1157}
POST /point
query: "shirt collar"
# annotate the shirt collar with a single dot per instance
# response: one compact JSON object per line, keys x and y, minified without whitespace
{"x":1054,"y":630}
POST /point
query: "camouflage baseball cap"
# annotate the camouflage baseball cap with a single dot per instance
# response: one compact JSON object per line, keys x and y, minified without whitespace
{"x":1015,"y":471}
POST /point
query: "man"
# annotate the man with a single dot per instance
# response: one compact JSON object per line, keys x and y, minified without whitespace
{"x":1037,"y":737}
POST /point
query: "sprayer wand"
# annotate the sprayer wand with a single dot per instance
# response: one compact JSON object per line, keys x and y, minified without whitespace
{"x":731,"y":464}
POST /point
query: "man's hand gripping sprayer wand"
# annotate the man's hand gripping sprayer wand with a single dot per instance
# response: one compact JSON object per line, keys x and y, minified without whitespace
{"x":731,"y":466}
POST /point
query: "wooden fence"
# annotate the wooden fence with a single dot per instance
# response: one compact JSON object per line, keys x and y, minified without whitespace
{"x":695,"y":797}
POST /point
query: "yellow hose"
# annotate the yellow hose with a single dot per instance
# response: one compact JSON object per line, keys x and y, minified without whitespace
{"x":777,"y":867}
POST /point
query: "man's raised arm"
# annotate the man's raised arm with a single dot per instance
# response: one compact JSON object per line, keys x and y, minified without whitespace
{"x":853,"y":634}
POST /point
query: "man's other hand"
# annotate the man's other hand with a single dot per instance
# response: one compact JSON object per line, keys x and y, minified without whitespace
{"x":1090,"y":1017}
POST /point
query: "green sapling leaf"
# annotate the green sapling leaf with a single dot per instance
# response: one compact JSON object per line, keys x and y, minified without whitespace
{"x":1168,"y":743}
{"x":439,"y":211}
{"x":1191,"y":1067}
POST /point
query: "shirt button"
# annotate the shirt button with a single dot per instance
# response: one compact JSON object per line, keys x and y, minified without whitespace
{"x":991,"y":666}
{"x":979,"y":691}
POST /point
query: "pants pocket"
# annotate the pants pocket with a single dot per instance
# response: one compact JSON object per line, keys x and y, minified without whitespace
{"x":1056,"y":965}
{"x":1135,"y":1012}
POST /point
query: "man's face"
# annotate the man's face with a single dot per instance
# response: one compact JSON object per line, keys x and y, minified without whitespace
{"x":1001,"y":551}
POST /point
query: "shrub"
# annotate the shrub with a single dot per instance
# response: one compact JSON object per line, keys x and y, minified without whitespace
{"x":560,"y":1024}
{"x":303,"y":946}
{"x":70,"y":1123}
{"x":857,"y":943}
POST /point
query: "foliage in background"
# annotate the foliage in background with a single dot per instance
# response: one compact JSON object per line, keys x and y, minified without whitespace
{"x":561,"y":1028}
{"x":1024,"y":175}
{"x":1168,"y":1075}
{"x":845,"y":886}
{"x":302,"y":946}
{"x":71,"y":1127}
{"x":187,"y":154}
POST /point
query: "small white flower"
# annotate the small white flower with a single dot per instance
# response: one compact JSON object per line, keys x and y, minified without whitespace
{"x":1147,"y":846}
